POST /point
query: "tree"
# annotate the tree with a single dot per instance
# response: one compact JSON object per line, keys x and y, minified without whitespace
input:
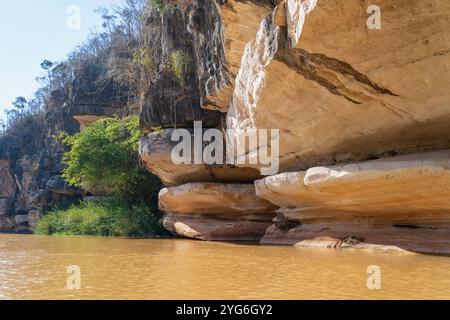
{"x":46,"y":65}
{"x":106,"y":154}
{"x":20,"y":104}
{"x":2,"y":126}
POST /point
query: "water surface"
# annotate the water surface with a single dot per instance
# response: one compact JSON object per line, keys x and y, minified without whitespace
{"x":35,"y":267}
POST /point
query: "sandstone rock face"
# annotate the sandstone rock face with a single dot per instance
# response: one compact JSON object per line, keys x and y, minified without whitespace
{"x":218,"y":212}
{"x":155,"y":150}
{"x":220,"y":200}
{"x":400,"y":201}
{"x":403,"y":184}
{"x":343,"y":92}
{"x":380,"y":237}
{"x":211,"y":36}
{"x":210,"y":229}
{"x":239,"y":21}
{"x":339,"y":92}
{"x":85,"y":120}
{"x":7,"y":186}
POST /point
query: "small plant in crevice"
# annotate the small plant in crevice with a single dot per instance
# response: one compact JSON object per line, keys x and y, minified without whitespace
{"x":180,"y":65}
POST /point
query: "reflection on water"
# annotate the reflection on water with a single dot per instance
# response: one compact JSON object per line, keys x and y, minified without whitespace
{"x":34,"y":267}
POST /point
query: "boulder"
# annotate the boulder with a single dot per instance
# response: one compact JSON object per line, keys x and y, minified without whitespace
{"x":155,"y":150}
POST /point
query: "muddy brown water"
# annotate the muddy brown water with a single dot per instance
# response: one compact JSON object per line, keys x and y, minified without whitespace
{"x":36,"y":267}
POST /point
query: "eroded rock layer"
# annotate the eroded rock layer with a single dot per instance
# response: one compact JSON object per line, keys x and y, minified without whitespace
{"x":211,"y":229}
{"x":416,"y":182}
{"x":215,"y":199}
{"x":156,"y":151}
{"x":400,"y":201}
{"x":219,"y":212}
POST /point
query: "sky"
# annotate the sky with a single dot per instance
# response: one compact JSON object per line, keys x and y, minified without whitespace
{"x":34,"y":30}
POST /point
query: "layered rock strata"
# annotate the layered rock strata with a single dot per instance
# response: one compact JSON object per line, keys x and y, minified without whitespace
{"x":341,"y":94}
{"x":156,"y":152}
{"x":400,"y":201}
{"x":219,"y":212}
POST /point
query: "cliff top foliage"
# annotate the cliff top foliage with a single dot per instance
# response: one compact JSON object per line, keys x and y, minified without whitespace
{"x":113,"y":67}
{"x":123,"y":55}
{"x":105,"y":56}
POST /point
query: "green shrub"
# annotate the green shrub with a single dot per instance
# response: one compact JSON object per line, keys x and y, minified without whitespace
{"x":110,"y":218}
{"x":106,"y":154}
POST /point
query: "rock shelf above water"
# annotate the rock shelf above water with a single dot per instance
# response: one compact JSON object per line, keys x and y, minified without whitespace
{"x":211,"y":211}
{"x":402,"y":201}
{"x":416,"y":183}
{"x":220,"y":200}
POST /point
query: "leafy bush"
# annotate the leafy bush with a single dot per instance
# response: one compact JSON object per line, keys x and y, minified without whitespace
{"x":106,"y":154}
{"x":111,"y":218}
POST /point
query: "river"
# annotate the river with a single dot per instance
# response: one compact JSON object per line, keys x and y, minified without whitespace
{"x":35,"y":267}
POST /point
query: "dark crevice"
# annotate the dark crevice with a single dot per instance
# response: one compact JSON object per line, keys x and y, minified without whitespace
{"x":283,"y":224}
{"x":411,"y":226}
{"x":309,"y":66}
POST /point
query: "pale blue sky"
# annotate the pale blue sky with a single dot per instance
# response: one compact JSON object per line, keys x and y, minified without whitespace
{"x":34,"y":30}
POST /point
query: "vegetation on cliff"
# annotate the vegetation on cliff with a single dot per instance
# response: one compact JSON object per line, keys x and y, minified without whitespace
{"x":105,"y":154}
{"x":112,"y":70}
